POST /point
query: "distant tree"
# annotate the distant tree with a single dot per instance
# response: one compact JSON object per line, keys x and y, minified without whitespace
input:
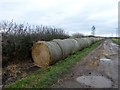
{"x":93,"y":30}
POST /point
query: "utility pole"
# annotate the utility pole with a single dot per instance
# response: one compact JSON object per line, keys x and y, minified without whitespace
{"x":93,"y":30}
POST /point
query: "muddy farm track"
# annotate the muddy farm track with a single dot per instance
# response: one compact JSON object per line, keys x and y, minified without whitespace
{"x":99,"y":69}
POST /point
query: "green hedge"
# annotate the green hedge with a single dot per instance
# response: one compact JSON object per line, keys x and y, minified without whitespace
{"x":17,"y":39}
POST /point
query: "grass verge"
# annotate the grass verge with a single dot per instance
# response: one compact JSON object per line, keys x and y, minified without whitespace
{"x":116,"y":41}
{"x":45,"y":77}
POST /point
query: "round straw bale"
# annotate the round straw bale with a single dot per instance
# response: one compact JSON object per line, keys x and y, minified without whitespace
{"x":46,"y":53}
{"x":89,"y":41}
{"x":66,"y":45}
{"x":86,"y":42}
{"x":76,"y":45}
{"x":92,"y":39}
{"x":81,"y":42}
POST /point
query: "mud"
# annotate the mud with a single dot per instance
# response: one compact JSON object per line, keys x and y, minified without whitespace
{"x":99,"y":69}
{"x":16,"y":71}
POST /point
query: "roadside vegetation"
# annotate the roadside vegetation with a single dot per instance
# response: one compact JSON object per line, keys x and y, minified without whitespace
{"x":116,"y":40}
{"x":45,"y":77}
{"x":17,"y":39}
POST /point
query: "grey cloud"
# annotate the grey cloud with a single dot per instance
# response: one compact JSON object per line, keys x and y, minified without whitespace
{"x":63,"y":15}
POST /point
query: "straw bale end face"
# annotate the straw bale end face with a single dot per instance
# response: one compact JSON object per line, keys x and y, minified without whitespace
{"x":41,"y":55}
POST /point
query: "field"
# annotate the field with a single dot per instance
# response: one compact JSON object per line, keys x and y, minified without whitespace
{"x":116,"y":41}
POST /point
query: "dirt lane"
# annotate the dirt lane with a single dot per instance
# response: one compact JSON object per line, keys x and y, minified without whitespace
{"x":99,"y":69}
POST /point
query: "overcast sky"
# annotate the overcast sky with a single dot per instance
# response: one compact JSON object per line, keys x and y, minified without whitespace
{"x":72,"y":15}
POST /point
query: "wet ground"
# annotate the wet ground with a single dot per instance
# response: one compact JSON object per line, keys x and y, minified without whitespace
{"x":99,"y":69}
{"x":16,"y":71}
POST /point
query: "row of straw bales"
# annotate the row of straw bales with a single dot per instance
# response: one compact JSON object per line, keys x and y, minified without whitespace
{"x":46,"y":53}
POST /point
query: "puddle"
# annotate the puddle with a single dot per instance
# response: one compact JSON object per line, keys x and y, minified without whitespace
{"x":105,"y":59}
{"x":95,"y":81}
{"x":113,"y":44}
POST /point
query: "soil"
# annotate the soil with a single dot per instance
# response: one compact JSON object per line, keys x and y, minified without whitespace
{"x":99,"y":69}
{"x":15,"y":71}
